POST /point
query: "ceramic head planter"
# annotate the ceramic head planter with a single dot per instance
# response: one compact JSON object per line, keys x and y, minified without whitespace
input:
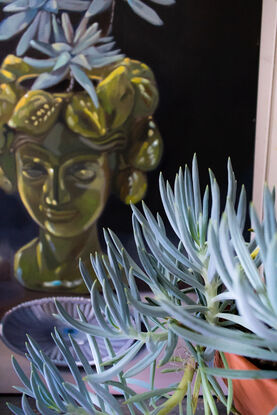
{"x":66,"y":149}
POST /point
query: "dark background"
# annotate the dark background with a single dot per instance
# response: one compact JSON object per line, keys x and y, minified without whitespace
{"x":205,"y":59}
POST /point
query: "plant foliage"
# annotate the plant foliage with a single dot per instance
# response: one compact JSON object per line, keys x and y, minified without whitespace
{"x":211,"y":290}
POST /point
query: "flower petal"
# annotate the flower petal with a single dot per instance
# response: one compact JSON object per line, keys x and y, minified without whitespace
{"x":26,"y":38}
{"x":16,"y":23}
{"x":145,"y":12}
{"x":85,"y":82}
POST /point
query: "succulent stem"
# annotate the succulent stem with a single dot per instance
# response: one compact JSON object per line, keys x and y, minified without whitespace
{"x":71,"y":83}
{"x":181,"y":391}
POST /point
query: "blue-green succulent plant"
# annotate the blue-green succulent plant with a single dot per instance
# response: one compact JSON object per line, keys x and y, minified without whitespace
{"x":211,"y":289}
{"x":72,"y":54}
{"x":139,"y":7}
{"x":48,"y":28}
{"x":35,"y":16}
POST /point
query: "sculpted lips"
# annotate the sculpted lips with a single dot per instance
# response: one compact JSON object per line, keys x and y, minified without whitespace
{"x":59,"y":215}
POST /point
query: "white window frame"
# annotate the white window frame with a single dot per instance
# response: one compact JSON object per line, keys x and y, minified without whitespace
{"x":265,"y":164}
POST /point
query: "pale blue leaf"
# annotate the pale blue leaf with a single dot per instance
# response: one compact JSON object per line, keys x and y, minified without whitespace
{"x":81,"y":29}
{"x":62,"y":60}
{"x":15,"y":409}
{"x":215,"y":211}
{"x":271,"y":273}
{"x":269,"y":215}
{"x":80,"y":355}
{"x":73,"y":5}
{"x":106,"y":48}
{"x":44,"y":30}
{"x":142,"y":364}
{"x":67,"y":27}
{"x":274,"y":411}
{"x":85,"y":82}
{"x":196,"y":185}
{"x":85,"y":275}
{"x":43,"y":409}
{"x":242,"y":208}
{"x":118,"y":245}
{"x":224,"y":344}
{"x":79,"y":397}
{"x":241,"y":250}
{"x":16,"y":23}
{"x":232,"y":183}
{"x":92,"y":52}
{"x":146,"y":309}
{"x":51,"y":6}
{"x":22,"y":390}
{"x":40,"y":63}
{"x":17,"y":6}
{"x":241,"y":374}
{"x":189,"y":401}
{"x":107,"y":397}
{"x":29,"y":34}
{"x":46,"y":80}
{"x":61,"y":47}
{"x":86,"y":42}
{"x":57,"y":31}
{"x":142,"y":397}
{"x":70,"y":361}
{"x":164,"y":2}
{"x":50,"y":380}
{"x":170,"y":348}
{"x":145,"y":12}
{"x":26,"y":407}
{"x":81,"y":60}
{"x":24,"y":379}
{"x":117,"y":368}
{"x":85,"y":327}
{"x":42,"y":47}
{"x":105,"y":39}
{"x":36,"y":4}
{"x":128,"y":392}
{"x":90,"y":31}
{"x":98,"y":6}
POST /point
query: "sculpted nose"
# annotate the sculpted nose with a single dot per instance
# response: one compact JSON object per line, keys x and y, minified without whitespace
{"x":54,"y":190}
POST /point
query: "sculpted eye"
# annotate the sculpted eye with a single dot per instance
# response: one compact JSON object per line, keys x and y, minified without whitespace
{"x":83,"y":171}
{"x":34,"y":171}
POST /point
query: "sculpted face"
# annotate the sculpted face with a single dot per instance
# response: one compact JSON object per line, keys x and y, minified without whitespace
{"x":63,"y":184}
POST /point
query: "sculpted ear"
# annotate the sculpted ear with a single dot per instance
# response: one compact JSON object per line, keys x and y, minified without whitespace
{"x":8,"y":180}
{"x":143,"y":154}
